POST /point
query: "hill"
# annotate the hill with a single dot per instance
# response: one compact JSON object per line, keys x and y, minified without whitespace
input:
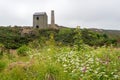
{"x":111,"y":33}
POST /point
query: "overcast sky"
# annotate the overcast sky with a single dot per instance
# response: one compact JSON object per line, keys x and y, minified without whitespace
{"x":85,"y":13}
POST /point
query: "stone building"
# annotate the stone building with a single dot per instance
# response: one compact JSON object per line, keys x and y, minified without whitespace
{"x":40,"y":20}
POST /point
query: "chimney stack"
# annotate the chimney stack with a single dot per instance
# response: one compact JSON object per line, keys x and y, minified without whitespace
{"x":52,"y":18}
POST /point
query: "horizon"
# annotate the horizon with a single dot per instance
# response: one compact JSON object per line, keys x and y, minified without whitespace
{"x":60,"y":25}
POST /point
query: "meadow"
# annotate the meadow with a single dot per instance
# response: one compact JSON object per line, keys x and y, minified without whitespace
{"x":50,"y":60}
{"x":53,"y":62}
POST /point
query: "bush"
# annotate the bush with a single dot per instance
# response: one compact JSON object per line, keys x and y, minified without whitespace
{"x":22,"y":51}
{"x":1,"y":55}
{"x":2,"y":65}
{"x":1,"y":50}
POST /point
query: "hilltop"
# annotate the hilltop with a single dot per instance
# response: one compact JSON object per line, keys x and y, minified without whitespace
{"x":111,"y":33}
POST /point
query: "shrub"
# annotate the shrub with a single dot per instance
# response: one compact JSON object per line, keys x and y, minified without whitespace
{"x":22,"y":51}
{"x":78,"y":39}
{"x":1,"y":50}
{"x":1,"y":54}
{"x":2,"y":65}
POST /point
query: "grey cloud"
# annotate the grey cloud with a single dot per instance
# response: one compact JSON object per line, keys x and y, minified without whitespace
{"x":86,"y":13}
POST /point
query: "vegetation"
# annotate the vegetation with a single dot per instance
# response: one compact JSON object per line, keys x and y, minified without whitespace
{"x":63,"y":63}
{"x":13,"y":38}
{"x":22,"y":51}
{"x":65,"y":54}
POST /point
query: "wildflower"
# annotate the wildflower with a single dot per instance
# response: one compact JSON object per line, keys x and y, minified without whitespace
{"x":84,"y":69}
{"x":65,"y":70}
{"x":106,"y":75}
{"x":116,"y":76}
{"x":64,"y":65}
{"x":71,"y":52}
{"x":90,"y":60}
{"x":31,"y":56}
{"x":73,"y":70}
{"x":95,"y":72}
{"x":49,"y":49}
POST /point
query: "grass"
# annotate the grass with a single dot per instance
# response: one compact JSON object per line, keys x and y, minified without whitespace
{"x":62,"y":63}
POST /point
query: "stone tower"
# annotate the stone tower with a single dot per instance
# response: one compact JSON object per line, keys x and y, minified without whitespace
{"x":53,"y":25}
{"x":40,"y":20}
{"x":52,"y":18}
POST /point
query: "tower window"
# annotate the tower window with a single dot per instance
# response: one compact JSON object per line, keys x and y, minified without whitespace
{"x":37,"y":18}
{"x":37,"y":26}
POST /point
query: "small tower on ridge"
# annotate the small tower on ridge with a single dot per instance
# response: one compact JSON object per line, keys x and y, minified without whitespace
{"x":53,"y":25}
{"x":52,"y":18}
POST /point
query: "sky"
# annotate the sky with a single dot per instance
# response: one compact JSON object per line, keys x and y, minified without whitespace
{"x":102,"y":14}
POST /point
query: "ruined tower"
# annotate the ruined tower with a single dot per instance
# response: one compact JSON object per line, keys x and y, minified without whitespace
{"x":52,"y":18}
{"x":40,"y":20}
{"x":53,"y":25}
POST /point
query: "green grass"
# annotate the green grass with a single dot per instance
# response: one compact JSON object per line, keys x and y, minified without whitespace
{"x":62,"y":63}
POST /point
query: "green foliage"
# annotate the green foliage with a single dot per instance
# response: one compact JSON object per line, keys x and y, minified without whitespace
{"x":65,"y":36}
{"x":1,"y":55}
{"x":64,"y":63}
{"x":45,"y":60}
{"x":96,"y":39}
{"x":2,"y":65}
{"x":51,"y":40}
{"x":11,"y":37}
{"x":22,"y":51}
{"x":2,"y":49}
{"x":78,"y":39}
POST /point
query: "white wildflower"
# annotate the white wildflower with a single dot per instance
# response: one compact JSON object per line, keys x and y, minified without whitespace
{"x":90,"y":59}
{"x":116,"y":76}
{"x":49,"y":49}
{"x":95,"y":72}
{"x":64,"y":65}
{"x":31,"y":56}
{"x":106,"y":75}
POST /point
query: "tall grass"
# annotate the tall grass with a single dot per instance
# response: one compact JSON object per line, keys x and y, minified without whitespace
{"x":51,"y":62}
